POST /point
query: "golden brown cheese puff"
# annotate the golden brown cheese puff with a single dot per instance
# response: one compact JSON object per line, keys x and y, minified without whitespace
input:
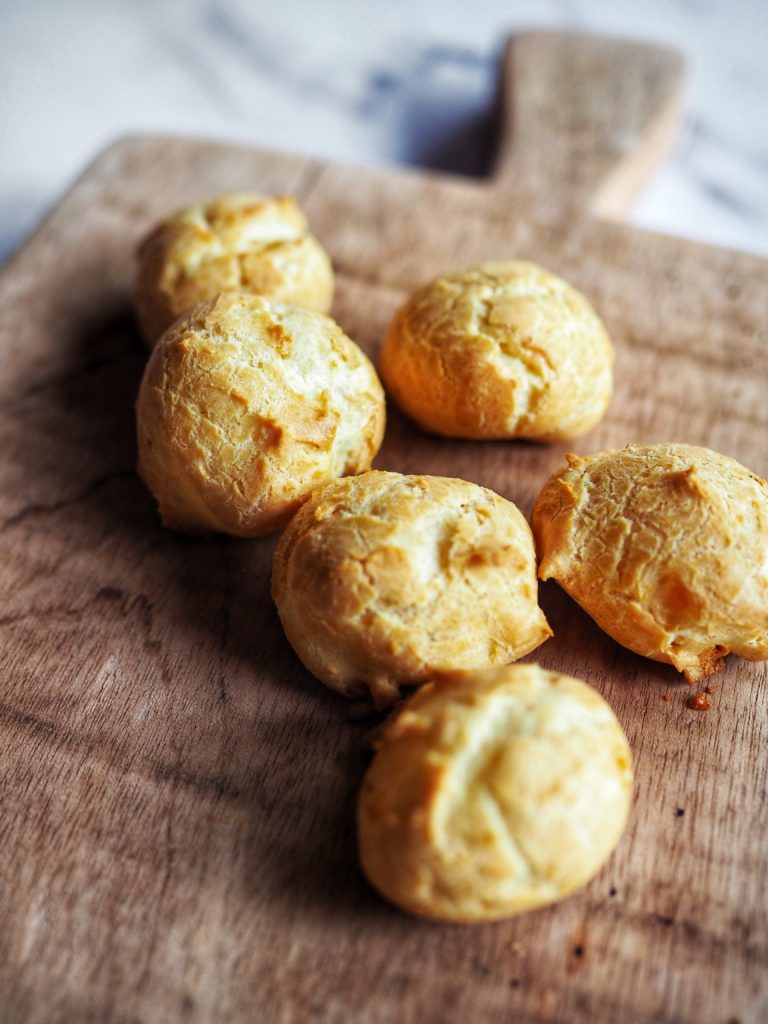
{"x":248,"y":405}
{"x":666,"y":547}
{"x":382,"y":578}
{"x":492,"y":793}
{"x":502,"y":350}
{"x":243,"y":243}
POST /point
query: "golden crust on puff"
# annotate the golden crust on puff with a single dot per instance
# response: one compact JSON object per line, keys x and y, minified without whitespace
{"x":666,"y":547}
{"x":492,"y":793}
{"x":382,"y":578}
{"x":502,"y":350}
{"x":242,"y":243}
{"x":245,"y":407}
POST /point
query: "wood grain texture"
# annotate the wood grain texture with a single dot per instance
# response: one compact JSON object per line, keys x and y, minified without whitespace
{"x":177,"y":792}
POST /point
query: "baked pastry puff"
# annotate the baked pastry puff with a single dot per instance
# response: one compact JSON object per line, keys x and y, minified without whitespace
{"x":502,"y":350}
{"x":242,"y":243}
{"x":381,"y":579}
{"x":245,"y":407}
{"x":666,"y":547}
{"x":492,"y":793}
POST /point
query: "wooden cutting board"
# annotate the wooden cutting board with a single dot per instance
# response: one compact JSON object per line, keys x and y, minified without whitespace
{"x":177,"y":792}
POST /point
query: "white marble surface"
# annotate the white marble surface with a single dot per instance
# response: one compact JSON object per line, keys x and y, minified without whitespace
{"x":402,"y":81}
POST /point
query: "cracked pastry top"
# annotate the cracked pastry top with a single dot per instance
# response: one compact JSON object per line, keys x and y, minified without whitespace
{"x":502,"y":350}
{"x":245,"y":407}
{"x":666,"y":547}
{"x":493,"y":792}
{"x":381,"y":578}
{"x":244,"y":243}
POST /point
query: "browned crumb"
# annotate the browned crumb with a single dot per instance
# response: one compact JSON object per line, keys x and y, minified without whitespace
{"x":699,"y":701}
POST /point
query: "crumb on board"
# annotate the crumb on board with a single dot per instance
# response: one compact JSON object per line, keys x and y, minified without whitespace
{"x":699,"y":702}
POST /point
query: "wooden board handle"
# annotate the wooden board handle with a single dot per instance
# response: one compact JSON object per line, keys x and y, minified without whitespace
{"x":586,"y":120}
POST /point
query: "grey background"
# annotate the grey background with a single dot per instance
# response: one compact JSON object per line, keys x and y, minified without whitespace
{"x":397,"y":82}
